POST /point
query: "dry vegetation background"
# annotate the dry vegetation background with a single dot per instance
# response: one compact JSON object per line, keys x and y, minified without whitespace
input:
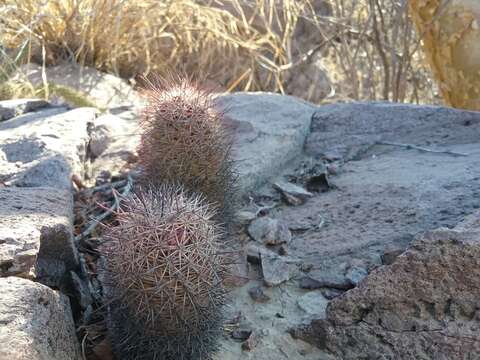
{"x":320,"y":50}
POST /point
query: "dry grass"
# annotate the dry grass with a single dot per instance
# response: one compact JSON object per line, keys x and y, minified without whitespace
{"x":373,"y":52}
{"x":367,"y":48}
{"x":233,"y":41}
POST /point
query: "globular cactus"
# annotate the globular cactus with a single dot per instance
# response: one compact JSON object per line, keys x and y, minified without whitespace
{"x":185,"y":139}
{"x":165,"y":266}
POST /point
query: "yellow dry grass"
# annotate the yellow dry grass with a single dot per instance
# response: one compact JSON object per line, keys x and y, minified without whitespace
{"x":241,"y":44}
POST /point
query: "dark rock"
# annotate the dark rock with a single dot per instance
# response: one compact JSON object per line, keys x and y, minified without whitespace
{"x":250,"y":343}
{"x":241,"y":334}
{"x":255,"y":251}
{"x":257,"y":294}
{"x":325,"y":281}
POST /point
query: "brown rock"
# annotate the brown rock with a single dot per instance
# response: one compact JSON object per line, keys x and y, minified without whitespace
{"x":423,"y":305}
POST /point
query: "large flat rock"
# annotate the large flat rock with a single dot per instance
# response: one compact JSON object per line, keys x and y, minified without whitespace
{"x":425,"y":305}
{"x":270,"y":131}
{"x":35,"y":322}
{"x":36,"y":239}
{"x":45,"y":148}
{"x":348,"y":129}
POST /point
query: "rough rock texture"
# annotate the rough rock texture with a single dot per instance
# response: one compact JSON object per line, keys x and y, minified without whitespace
{"x":35,"y":322}
{"x":114,"y":141}
{"x":425,"y":305}
{"x":45,"y":148}
{"x":270,"y":130}
{"x":386,"y":194}
{"x":269,"y":231}
{"x":105,"y":90}
{"x":15,"y":107}
{"x":36,"y":237}
{"x":348,"y":129}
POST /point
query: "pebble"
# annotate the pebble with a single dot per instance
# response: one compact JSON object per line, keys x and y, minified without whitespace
{"x":269,"y":231}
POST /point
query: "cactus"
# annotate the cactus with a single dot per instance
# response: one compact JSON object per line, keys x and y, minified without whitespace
{"x":184,"y":139}
{"x":163,"y":276}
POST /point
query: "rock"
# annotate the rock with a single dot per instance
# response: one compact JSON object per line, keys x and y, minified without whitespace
{"x":347,"y":128}
{"x":313,"y":303}
{"x":15,"y":107}
{"x":115,"y":141}
{"x":355,"y":274}
{"x":250,"y":343}
{"x":244,"y":217}
{"x":269,"y":231}
{"x":35,"y":322}
{"x":45,"y":148}
{"x":390,"y":254}
{"x":330,"y":293}
{"x":241,"y":334}
{"x":269,"y":130}
{"x":239,"y":270}
{"x":257,"y":294}
{"x":293,"y":194}
{"x":81,"y":291}
{"x":104,"y":90}
{"x":36,"y":239}
{"x":318,"y":280}
{"x":429,"y":295}
{"x":377,"y":201}
{"x":255,"y":251}
{"x":275,"y":270}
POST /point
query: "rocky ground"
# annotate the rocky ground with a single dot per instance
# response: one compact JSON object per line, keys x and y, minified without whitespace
{"x":348,"y":231}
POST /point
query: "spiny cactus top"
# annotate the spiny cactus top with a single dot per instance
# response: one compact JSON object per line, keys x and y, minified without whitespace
{"x":165,"y":268}
{"x":185,"y":140}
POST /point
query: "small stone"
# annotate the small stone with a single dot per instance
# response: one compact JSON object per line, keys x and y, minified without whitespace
{"x":275,"y":270}
{"x":241,"y":334}
{"x":257,"y":294}
{"x":250,"y":343}
{"x":292,"y":193}
{"x":313,"y":303}
{"x":255,"y":251}
{"x":269,"y":231}
{"x":355,"y":274}
{"x":319,"y":183}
